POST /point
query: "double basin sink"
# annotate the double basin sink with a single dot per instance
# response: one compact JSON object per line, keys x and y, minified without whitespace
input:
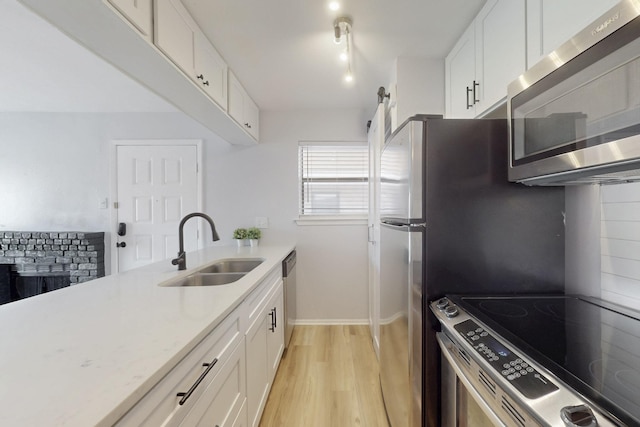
{"x":221,"y":272}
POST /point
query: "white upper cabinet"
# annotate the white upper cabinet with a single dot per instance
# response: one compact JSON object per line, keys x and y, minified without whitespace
{"x":550,"y":23}
{"x":137,"y":12}
{"x":178,"y":36}
{"x":211,"y":67}
{"x":460,"y":73}
{"x":500,"y":54}
{"x":242,"y":108}
{"x":488,"y":55}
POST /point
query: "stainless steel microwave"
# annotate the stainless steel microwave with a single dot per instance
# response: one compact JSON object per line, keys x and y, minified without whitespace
{"x":574,"y":117}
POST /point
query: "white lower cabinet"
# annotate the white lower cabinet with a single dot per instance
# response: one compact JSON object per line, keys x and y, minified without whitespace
{"x":169,"y":401}
{"x":275,"y":335}
{"x":225,"y":380}
{"x":265,"y":344}
{"x":221,"y":403}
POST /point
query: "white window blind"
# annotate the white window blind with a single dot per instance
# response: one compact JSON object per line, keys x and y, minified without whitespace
{"x":333,"y":178}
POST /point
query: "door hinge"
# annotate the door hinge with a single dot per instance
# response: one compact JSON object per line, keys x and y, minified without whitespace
{"x":115,"y":205}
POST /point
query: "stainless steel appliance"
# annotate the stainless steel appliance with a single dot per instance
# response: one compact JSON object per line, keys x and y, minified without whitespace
{"x":539,"y":360}
{"x":289,"y":285}
{"x":452,"y":223}
{"x":575,"y":116}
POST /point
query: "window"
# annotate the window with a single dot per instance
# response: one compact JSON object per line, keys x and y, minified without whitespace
{"x":333,"y":179}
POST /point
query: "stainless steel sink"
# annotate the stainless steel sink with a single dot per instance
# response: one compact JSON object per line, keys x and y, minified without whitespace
{"x":219,"y":273}
{"x":232,"y":265}
{"x":206,"y":279}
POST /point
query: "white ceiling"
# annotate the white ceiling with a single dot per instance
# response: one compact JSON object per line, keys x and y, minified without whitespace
{"x":281,"y":50}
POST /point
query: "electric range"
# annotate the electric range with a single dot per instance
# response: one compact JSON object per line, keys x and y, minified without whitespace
{"x":579,"y":349}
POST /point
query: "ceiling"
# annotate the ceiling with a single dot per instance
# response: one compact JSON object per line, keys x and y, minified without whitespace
{"x":281,"y":50}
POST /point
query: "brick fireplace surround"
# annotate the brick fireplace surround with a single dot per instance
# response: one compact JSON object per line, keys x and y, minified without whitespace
{"x":80,"y":255}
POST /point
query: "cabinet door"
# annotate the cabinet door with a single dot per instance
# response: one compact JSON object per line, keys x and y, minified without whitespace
{"x":460,"y":75}
{"x":257,"y":368}
{"x":251,"y":116}
{"x":275,"y":336}
{"x":550,"y":23}
{"x":242,"y":108}
{"x":174,"y":34}
{"x":236,"y":99}
{"x":222,"y":401}
{"x":211,"y":70}
{"x":160,"y":406}
{"x":500,"y":50}
{"x":138,"y":12}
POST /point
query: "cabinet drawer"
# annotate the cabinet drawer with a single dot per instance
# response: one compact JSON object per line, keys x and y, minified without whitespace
{"x":161,"y":405}
{"x":256,"y":301}
{"x":222,"y":401}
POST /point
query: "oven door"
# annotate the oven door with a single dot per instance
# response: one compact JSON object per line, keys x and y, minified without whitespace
{"x":462,"y":403}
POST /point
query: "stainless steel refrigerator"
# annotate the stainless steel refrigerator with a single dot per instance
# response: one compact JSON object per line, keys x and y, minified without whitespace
{"x":452,"y":223}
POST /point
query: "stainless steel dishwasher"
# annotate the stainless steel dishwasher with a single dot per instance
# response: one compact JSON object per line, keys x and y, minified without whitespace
{"x":289,"y":278}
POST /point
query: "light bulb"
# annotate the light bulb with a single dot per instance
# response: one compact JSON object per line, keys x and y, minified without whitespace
{"x":337,"y":34}
{"x":344,"y":56}
{"x":334,"y":5}
{"x":348,"y":77}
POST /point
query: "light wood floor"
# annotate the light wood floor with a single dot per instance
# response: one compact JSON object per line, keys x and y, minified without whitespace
{"x":327,"y":378}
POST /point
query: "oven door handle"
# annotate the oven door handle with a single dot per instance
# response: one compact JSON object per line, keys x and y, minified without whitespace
{"x":447,"y":346}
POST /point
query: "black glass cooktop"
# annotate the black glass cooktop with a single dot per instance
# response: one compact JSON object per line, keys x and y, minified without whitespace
{"x":589,"y":344}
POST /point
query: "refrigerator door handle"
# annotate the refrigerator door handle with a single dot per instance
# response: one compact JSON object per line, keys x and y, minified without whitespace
{"x":405,"y":227}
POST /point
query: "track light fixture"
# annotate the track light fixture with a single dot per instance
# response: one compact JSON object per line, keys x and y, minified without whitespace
{"x":342,"y":31}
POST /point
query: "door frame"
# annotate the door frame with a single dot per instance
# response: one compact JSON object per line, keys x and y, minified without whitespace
{"x":110,"y":238}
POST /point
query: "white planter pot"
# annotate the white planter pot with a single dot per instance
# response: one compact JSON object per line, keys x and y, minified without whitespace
{"x":253,"y":242}
{"x":241,"y":242}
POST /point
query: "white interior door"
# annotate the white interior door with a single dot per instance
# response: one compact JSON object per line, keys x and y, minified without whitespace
{"x":376,"y":141}
{"x":157,"y":185}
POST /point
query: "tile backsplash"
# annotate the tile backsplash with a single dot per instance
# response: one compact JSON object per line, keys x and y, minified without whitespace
{"x":620,"y":244}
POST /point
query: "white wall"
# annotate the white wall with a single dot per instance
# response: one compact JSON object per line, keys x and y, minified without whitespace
{"x":620,"y":244}
{"x":34,"y":144}
{"x":240,"y":183}
{"x":34,"y":198}
{"x":263,"y":181}
{"x":603,"y":242}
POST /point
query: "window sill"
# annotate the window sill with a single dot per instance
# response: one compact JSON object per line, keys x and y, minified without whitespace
{"x":332,"y":220}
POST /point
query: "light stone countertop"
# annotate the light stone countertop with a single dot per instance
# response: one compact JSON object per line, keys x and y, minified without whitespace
{"x":83,"y":355}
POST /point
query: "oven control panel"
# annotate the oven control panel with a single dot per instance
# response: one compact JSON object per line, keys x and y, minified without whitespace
{"x":523,"y":377}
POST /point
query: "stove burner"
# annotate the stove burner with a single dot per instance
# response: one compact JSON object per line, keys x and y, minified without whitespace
{"x":629,"y":379}
{"x":558,"y":313}
{"x":616,"y":376}
{"x":503,"y":308}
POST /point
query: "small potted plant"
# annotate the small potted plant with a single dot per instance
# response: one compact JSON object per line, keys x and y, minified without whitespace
{"x":253,"y":234}
{"x":240,"y":234}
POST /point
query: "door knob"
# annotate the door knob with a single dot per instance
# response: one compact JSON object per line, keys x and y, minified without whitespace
{"x":121,"y":245}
